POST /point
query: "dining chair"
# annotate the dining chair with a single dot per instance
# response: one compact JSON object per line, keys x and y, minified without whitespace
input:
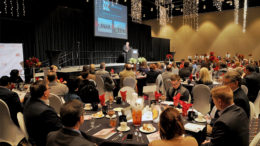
{"x":257,"y":105}
{"x":252,"y":111}
{"x":201,"y":98}
{"x":167,"y":84}
{"x":129,"y":92}
{"x":100,"y":85}
{"x":129,"y":82}
{"x":9,"y":132}
{"x":244,"y":88}
{"x":55,"y":102}
{"x":159,"y":84}
{"x":255,"y":141}
{"x":22,"y":124}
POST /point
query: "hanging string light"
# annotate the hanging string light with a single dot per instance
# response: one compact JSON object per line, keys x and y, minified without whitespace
{"x":236,"y":11}
{"x":17,"y":8}
{"x":5,"y":3}
{"x":245,"y":15}
{"x":218,"y":4}
{"x":163,"y":16}
{"x":23,"y":8}
{"x":190,"y":13}
{"x":136,"y":11}
{"x":11,"y":7}
{"x":164,"y":13}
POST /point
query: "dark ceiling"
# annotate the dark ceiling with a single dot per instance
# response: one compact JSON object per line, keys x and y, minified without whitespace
{"x":35,"y":9}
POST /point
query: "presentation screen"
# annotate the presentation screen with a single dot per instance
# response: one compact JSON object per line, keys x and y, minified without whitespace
{"x":11,"y":57}
{"x":110,"y":19}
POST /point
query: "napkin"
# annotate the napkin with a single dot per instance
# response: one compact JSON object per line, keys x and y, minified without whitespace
{"x":190,"y":77}
{"x":194,"y":127}
{"x":123,"y":94}
{"x":112,"y":71}
{"x":105,"y":133}
{"x":176,"y":99}
{"x":157,"y":95}
{"x":61,"y":80}
{"x":102,"y":99}
{"x":153,"y":136}
{"x":185,"y":107}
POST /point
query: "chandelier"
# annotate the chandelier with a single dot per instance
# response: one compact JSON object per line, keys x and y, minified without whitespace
{"x":190,"y":13}
{"x":245,"y":15}
{"x":236,"y":11}
{"x":164,"y":11}
{"x":136,"y":11}
{"x":218,"y":4}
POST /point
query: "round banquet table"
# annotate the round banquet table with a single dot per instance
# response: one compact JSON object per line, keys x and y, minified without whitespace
{"x":103,"y":123}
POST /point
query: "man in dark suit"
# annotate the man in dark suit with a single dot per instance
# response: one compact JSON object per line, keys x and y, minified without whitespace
{"x":10,"y":98}
{"x":71,"y":117}
{"x":186,"y":71}
{"x":127,"y":52}
{"x":177,"y":88}
{"x":232,"y":126}
{"x":252,"y":81}
{"x":39,"y":117}
{"x":233,"y":80}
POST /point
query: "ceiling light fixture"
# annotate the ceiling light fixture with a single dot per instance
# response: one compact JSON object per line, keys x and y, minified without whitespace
{"x":218,"y":4}
{"x":245,"y":15}
{"x":136,"y":11}
{"x":190,"y":13}
{"x":236,"y":11}
{"x":164,"y":10}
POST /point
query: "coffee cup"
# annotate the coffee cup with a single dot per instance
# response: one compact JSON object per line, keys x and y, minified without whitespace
{"x":200,"y":117}
{"x":191,"y":115}
{"x":123,"y":125}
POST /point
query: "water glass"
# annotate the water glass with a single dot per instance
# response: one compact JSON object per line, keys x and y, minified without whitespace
{"x":92,"y":122}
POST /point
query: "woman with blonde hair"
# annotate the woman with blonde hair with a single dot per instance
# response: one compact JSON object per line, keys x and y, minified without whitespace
{"x":204,"y":77}
{"x":172,"y":130}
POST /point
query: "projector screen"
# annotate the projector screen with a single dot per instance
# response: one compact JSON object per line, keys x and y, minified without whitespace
{"x":110,"y":19}
{"x":11,"y":57}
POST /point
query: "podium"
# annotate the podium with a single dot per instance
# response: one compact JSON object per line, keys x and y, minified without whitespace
{"x":53,"y":56}
{"x":135,"y":54}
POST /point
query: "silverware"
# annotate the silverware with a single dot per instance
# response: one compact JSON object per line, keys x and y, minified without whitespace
{"x":93,"y":128}
{"x":118,"y":136}
{"x":136,"y":134}
{"x":140,"y":135}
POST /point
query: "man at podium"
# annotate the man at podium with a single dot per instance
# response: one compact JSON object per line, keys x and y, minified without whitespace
{"x":127,"y":52}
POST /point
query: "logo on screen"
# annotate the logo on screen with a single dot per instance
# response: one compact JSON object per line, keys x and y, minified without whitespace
{"x":106,"y":5}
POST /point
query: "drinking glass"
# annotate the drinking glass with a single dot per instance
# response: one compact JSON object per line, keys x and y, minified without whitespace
{"x":111,"y":112}
{"x":104,"y":109}
{"x":137,"y":117}
{"x":92,"y":122}
{"x":112,"y":122}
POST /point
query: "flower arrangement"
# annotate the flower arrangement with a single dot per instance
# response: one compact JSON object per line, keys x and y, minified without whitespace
{"x":169,"y":56}
{"x":33,"y":62}
{"x":133,"y":60}
{"x":141,"y":59}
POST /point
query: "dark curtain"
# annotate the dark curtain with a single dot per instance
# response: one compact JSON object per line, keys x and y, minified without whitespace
{"x":160,"y":48}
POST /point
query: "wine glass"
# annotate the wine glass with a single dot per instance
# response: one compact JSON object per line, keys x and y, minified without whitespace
{"x":104,"y":109}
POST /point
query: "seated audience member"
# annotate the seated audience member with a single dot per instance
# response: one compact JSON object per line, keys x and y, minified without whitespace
{"x":175,"y":69}
{"x":143,"y":68}
{"x":232,"y":125}
{"x":71,"y":114}
{"x":233,"y":80}
{"x":10,"y":98}
{"x":88,"y":92}
{"x":102,"y":71}
{"x":168,"y":73}
{"x":73,"y":85}
{"x":53,"y":68}
{"x":92,"y":69}
{"x":252,"y":81}
{"x":185,"y":71}
{"x":204,"y":77}
{"x":127,"y":72}
{"x":177,"y":88}
{"x":15,"y":76}
{"x":152,"y":74}
{"x":39,"y":117}
{"x":222,"y":69}
{"x":55,"y":87}
{"x":172,"y":130}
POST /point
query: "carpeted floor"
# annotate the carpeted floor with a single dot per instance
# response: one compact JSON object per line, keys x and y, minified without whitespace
{"x":254,"y":128}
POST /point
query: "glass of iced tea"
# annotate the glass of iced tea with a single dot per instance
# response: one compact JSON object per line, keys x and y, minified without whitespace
{"x":112,"y":122}
{"x":111,"y":112}
{"x":137,"y":117}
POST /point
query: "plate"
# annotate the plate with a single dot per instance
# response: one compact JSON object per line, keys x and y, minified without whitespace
{"x":118,"y":109}
{"x":98,"y":115}
{"x":87,"y":109}
{"x":144,"y":131}
{"x":127,"y":129}
{"x":200,"y":120}
{"x":107,"y":116}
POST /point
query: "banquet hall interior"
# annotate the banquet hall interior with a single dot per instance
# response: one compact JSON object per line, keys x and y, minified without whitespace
{"x":115,"y":72}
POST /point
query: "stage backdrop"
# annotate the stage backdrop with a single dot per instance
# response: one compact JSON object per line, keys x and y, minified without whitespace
{"x":71,"y":29}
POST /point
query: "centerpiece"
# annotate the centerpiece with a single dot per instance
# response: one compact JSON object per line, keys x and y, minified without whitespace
{"x":33,"y":62}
